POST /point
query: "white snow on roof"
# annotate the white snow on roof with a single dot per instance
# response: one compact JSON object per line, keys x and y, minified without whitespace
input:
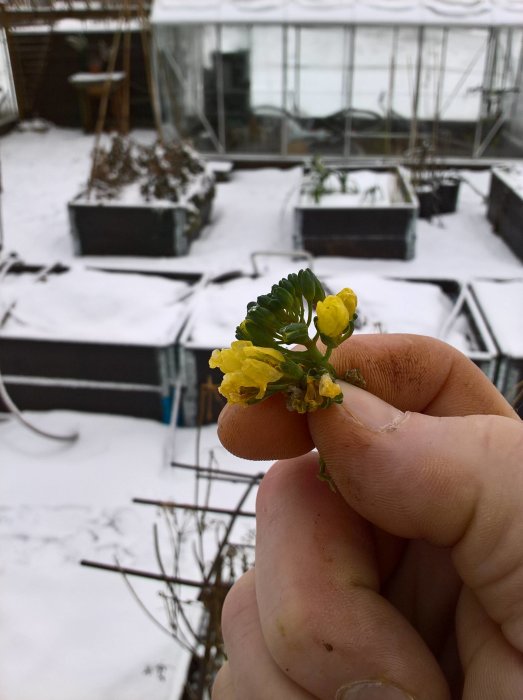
{"x":439,"y":12}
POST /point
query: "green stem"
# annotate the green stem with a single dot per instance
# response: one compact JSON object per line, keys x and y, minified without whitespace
{"x":314,"y":354}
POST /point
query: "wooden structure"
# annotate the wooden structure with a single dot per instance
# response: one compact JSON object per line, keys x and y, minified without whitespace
{"x":46,"y":48}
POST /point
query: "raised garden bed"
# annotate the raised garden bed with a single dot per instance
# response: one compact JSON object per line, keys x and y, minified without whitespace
{"x":360,"y":213}
{"x":91,"y":340}
{"x":500,"y":302}
{"x":142,"y":201}
{"x":505,"y":206}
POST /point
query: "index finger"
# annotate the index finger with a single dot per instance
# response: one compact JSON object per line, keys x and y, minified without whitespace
{"x":412,"y":372}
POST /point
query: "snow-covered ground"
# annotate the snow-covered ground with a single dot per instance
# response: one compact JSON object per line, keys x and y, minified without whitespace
{"x":72,"y":633}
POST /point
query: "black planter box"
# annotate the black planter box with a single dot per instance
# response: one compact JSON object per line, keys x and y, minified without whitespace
{"x":439,"y":197}
{"x":201,"y":402}
{"x":509,"y":376}
{"x":505,"y":211}
{"x":93,"y":376}
{"x":146,"y":230}
{"x":360,"y":231}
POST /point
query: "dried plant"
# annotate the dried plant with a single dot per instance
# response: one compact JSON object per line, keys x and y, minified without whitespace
{"x":163,"y":172}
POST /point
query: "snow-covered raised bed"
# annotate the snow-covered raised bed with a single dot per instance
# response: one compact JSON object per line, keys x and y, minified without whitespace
{"x":505,"y":206}
{"x":143,"y":201}
{"x":91,"y":341}
{"x":501,"y":302}
{"x":375,"y":217}
{"x":441,"y":308}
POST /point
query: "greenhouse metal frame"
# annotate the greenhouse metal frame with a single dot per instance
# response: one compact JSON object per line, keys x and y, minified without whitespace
{"x":263,"y":87}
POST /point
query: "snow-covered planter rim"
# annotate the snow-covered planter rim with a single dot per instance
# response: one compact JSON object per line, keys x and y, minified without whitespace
{"x":499,"y":301}
{"x":340,"y":200}
{"x":512,"y":178}
{"x":202,"y":185}
{"x":81,"y":201}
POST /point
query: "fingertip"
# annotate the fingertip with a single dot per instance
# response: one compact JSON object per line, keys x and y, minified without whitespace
{"x":264,"y":431}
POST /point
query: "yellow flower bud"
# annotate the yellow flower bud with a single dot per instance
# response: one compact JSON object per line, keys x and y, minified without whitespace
{"x":333,"y":317}
{"x":350,"y":300}
{"x":328,"y":388}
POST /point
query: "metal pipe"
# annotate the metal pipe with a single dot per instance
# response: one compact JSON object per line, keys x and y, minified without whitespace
{"x":392,"y":84}
{"x":190,"y":506}
{"x":348,"y":83}
{"x":151,"y":575}
{"x":219,"y":89}
{"x":415,"y":101}
{"x":230,"y":474}
{"x":518,"y":80}
{"x":297,"y":72}
{"x":490,"y":65}
{"x":439,"y":88}
{"x":284,"y":136}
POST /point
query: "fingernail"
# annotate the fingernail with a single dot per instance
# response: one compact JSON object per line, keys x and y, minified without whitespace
{"x":372,"y":690}
{"x":369,"y":410}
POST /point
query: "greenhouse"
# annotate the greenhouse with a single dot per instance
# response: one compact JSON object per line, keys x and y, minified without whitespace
{"x":297,"y":77}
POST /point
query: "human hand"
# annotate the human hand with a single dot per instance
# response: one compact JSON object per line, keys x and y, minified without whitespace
{"x":411,"y":577}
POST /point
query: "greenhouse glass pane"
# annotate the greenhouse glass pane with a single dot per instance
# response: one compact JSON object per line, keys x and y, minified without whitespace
{"x":372,"y":126}
{"x":431,"y":73}
{"x":266,"y":123}
{"x":315,"y":90}
{"x":501,"y":126}
{"x":406,"y":57}
{"x":252,"y":64}
{"x":464,"y":72}
{"x":320,"y":90}
{"x":186,"y":83}
{"x":372,"y":60}
{"x":466,"y":56}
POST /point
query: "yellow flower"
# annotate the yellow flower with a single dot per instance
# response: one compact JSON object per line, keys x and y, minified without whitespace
{"x":333,"y":316}
{"x":328,"y":388}
{"x":248,"y":370}
{"x":350,"y":300}
{"x":230,"y":359}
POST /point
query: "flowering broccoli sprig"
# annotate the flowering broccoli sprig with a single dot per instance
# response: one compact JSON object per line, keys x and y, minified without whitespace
{"x":261,"y":363}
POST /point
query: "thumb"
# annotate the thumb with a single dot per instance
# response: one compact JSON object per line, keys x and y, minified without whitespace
{"x":456,"y":482}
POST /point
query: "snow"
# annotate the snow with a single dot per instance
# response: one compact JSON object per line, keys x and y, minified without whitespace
{"x":512,"y":176}
{"x":502,"y":303}
{"x":360,"y":185}
{"x":415,"y":12}
{"x":88,"y":78}
{"x":135,"y":309}
{"x":72,"y":632}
